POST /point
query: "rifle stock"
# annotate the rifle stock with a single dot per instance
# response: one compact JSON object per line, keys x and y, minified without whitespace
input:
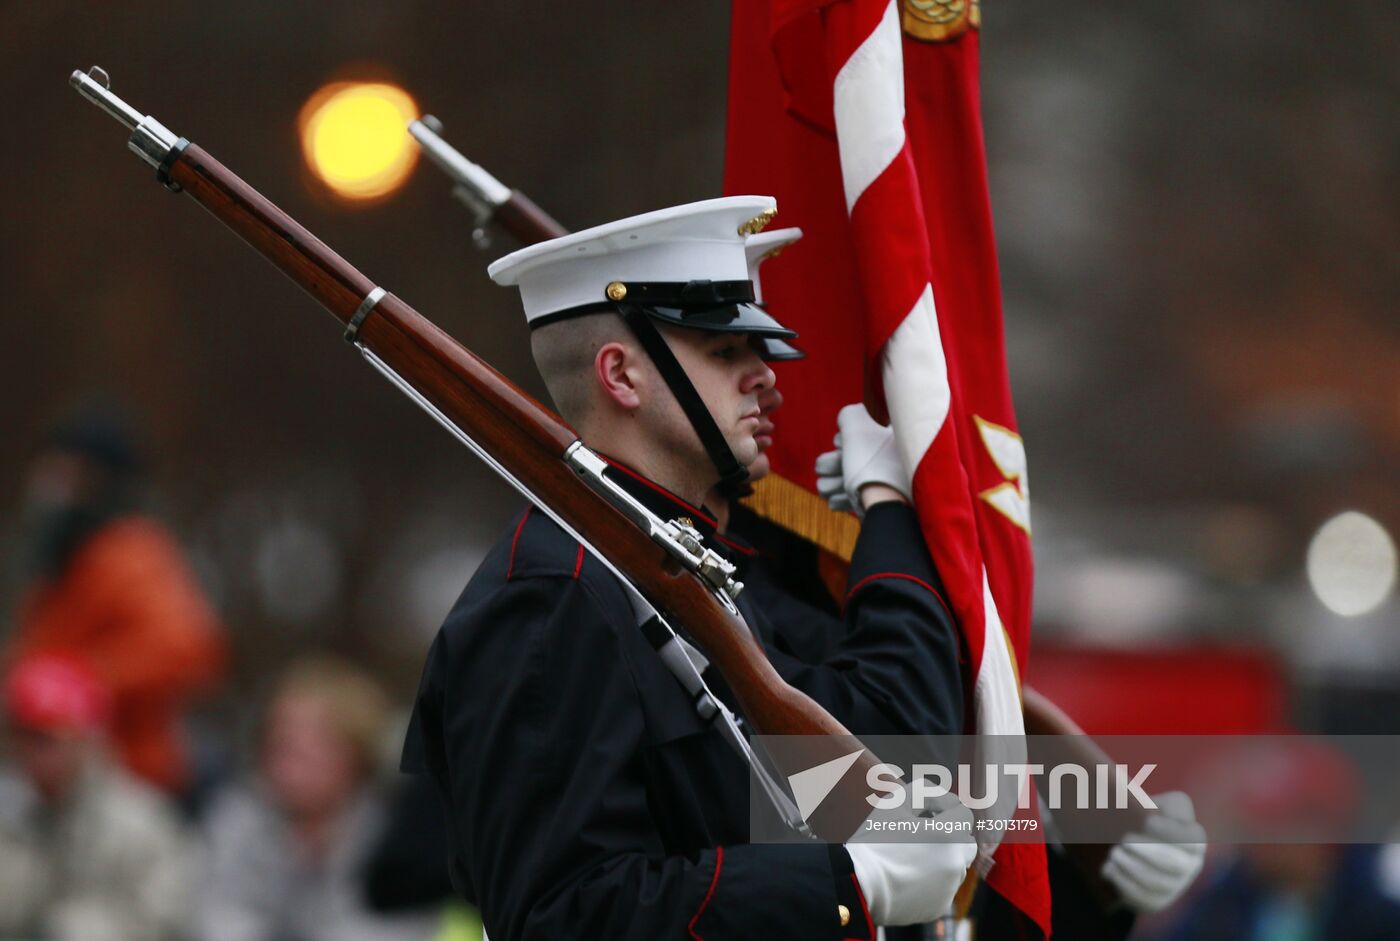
{"x":1044,"y":718}
{"x":520,"y":434}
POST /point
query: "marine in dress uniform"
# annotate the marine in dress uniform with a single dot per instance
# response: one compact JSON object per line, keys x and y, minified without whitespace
{"x":585,"y":796}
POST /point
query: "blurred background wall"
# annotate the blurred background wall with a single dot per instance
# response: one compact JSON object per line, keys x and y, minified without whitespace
{"x":1198,"y":226}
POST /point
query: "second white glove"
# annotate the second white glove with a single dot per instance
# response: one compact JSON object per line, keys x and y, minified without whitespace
{"x":1152,"y":869}
{"x":865,"y":454}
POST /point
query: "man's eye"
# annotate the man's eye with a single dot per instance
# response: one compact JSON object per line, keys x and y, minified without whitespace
{"x":727,"y":352}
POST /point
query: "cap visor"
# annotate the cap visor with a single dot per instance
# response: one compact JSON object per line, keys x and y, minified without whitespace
{"x":774,"y":350}
{"x":726,"y":318}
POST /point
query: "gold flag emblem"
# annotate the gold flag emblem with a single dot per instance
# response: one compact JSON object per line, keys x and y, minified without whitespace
{"x":939,"y":20}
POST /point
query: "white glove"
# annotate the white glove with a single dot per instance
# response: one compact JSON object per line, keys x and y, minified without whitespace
{"x":865,"y":454}
{"x":1153,"y":868}
{"x":914,"y":883}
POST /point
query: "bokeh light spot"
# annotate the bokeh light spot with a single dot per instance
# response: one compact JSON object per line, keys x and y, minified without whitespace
{"x":1352,"y":564}
{"x":355,"y":138}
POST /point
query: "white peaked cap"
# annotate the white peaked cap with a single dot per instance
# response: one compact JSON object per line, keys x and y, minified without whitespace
{"x":764,"y":245}
{"x":697,"y":241}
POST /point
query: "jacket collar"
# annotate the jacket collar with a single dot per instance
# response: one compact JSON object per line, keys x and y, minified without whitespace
{"x":669,"y":506}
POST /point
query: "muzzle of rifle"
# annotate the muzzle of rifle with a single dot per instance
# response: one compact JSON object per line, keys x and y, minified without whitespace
{"x":484,"y":190}
{"x":472,"y":185}
{"x":150,"y":140}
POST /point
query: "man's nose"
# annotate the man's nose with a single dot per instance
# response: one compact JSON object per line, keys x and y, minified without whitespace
{"x":759,"y":378}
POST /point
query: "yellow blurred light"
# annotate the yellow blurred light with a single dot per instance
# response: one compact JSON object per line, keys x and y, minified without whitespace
{"x":355,"y":137}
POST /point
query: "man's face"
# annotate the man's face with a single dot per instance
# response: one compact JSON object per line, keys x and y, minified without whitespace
{"x":730,"y":377}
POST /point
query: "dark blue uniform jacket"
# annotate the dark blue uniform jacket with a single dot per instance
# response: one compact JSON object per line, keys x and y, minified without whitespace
{"x":587,"y":799}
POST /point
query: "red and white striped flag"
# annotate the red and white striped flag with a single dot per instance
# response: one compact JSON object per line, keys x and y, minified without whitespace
{"x":863,"y":118}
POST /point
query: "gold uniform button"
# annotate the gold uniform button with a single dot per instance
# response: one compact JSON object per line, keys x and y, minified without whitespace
{"x":617,"y":291}
{"x":844,"y":914}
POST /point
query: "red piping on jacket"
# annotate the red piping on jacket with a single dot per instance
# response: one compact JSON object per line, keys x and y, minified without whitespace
{"x":515,"y":540}
{"x":719,"y":863}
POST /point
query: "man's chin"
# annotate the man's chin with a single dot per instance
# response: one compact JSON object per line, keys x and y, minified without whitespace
{"x":746,"y":452}
{"x":759,"y":468}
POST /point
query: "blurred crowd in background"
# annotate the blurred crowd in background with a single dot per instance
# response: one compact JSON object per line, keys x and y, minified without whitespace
{"x":114,"y":823}
{"x":227,"y":546}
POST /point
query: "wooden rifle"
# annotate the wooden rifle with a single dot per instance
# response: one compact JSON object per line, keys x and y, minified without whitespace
{"x":664,"y":564}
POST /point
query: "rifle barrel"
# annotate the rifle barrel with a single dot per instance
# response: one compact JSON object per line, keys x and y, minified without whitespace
{"x":93,"y":85}
{"x":487,"y":197}
{"x":150,"y":140}
{"x":486,"y":188}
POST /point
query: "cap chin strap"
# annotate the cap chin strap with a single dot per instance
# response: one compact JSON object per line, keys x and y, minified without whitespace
{"x":732,"y":475}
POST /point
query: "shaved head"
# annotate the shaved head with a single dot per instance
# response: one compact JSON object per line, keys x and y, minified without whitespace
{"x":564,"y":352}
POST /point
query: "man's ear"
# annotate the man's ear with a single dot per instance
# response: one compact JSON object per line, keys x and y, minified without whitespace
{"x":616,"y":368}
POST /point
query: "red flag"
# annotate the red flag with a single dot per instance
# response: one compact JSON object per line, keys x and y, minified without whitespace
{"x":863,"y":118}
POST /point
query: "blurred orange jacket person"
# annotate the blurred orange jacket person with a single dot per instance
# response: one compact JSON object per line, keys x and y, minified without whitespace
{"x":113,"y":589}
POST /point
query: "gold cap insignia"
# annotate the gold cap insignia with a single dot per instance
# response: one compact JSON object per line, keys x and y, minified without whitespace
{"x":616,"y":291}
{"x":757,"y":223}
